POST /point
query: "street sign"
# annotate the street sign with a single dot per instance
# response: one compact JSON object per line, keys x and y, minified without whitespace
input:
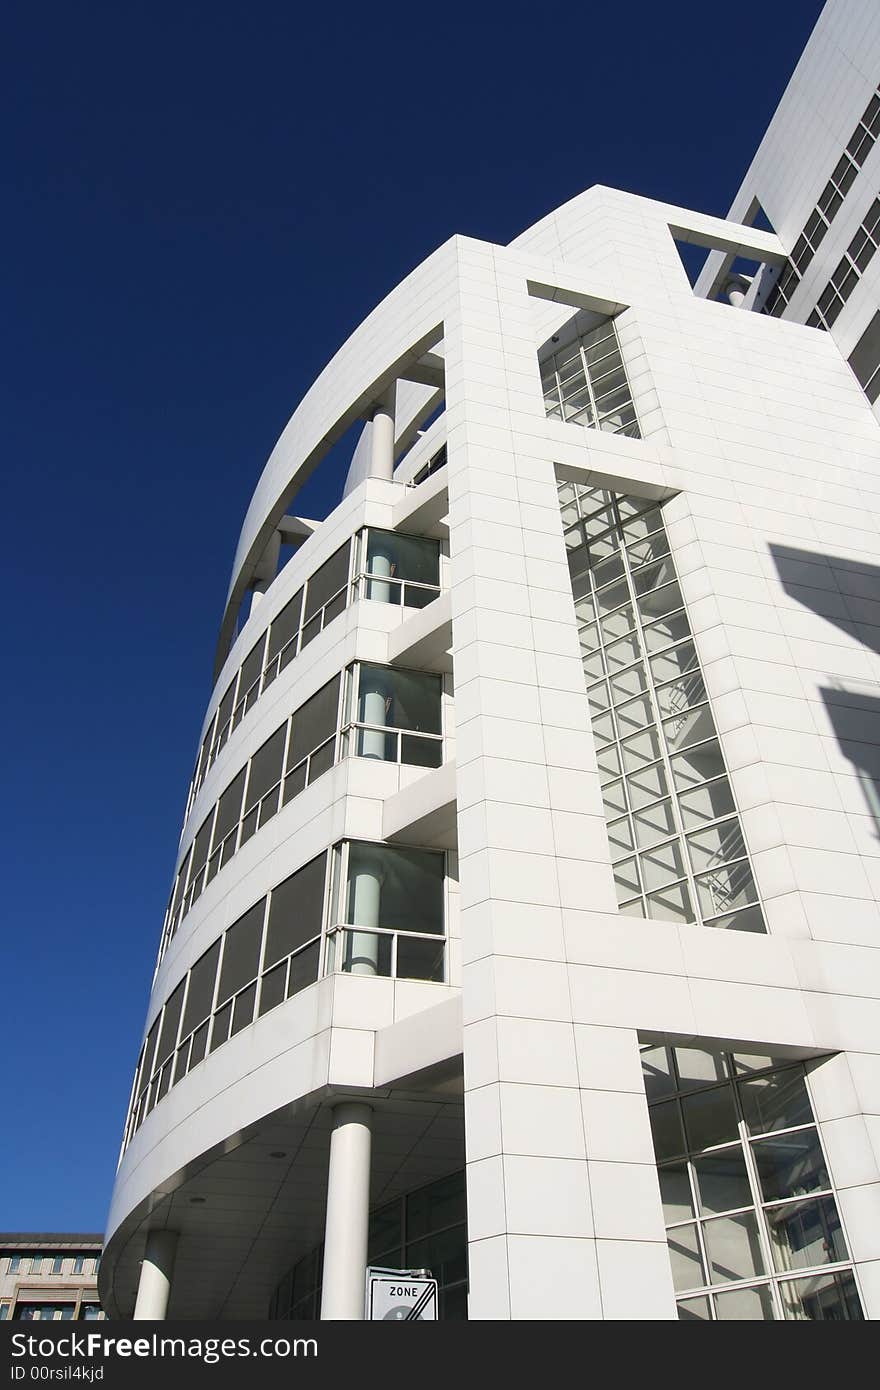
{"x":401,"y":1295}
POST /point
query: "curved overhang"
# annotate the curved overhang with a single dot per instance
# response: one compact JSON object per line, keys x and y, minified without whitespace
{"x":280,"y":1080}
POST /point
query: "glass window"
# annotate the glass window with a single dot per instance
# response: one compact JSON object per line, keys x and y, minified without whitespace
{"x":149,"y":1052}
{"x":241,"y":951}
{"x":200,"y":847}
{"x":732,"y":1247}
{"x":694,"y":1310}
{"x":666,"y":1129}
{"x":710,"y":1117}
{"x":314,"y":722}
{"x":327,"y":581}
{"x":685,"y":1257}
{"x":723,"y":1181}
{"x":806,"y":1233}
{"x":229,"y":808}
{"x":284,"y":628}
{"x":266,"y":768}
{"x":791,"y":1165}
{"x":170,"y":1020}
{"x":200,"y":992}
{"x":865,"y":359}
{"x":753,"y":1304}
{"x":764,"y":1211}
{"x":296,"y":911}
{"x":675,"y":1192}
{"x":248,"y":685}
{"x":399,"y":889}
{"x":420,"y":959}
{"x":828,"y":1297}
{"x":587,"y":380}
{"x":410,"y":699}
{"x":413,"y":558}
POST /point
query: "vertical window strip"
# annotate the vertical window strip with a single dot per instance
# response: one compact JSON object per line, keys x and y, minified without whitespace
{"x":830,"y":201}
{"x":673,"y":829}
{"x":849,"y":270}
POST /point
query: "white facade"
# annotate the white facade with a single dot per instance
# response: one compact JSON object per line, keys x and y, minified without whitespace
{"x":516,"y":1052}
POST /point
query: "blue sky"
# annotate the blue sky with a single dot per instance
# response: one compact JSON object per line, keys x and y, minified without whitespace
{"x":200,"y":203}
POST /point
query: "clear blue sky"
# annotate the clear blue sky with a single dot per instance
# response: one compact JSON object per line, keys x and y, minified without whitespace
{"x":201,"y":201}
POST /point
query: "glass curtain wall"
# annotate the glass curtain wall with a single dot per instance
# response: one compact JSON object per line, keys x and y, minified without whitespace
{"x":674,"y":833}
{"x":752,"y":1223}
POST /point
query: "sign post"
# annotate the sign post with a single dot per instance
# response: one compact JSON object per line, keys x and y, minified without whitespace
{"x":400,"y":1295}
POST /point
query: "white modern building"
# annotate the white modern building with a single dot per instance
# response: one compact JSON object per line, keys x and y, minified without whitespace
{"x":525,"y":923}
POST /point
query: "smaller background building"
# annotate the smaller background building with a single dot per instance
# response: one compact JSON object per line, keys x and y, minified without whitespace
{"x":49,"y":1277}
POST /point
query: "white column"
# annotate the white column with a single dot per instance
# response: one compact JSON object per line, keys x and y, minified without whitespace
{"x":267,"y":569}
{"x":348,"y":1208}
{"x":373,"y":699}
{"x":736,"y":289}
{"x":382,"y":438}
{"x":366,"y":888}
{"x":382,"y":565}
{"x":154,"y":1288}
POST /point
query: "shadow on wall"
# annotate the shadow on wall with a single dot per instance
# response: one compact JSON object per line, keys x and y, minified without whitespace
{"x":847,"y":594}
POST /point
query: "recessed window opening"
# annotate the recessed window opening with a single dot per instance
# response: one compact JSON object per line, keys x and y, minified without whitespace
{"x":751,"y":1217}
{"x":830,"y":201}
{"x":387,"y":912}
{"x":395,"y":568}
{"x":393,"y":715}
{"x":673,"y":830}
{"x":584,"y":379}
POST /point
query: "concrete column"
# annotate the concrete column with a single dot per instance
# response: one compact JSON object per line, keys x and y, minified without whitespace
{"x":366,"y":889}
{"x":154,"y":1288}
{"x":267,"y":569}
{"x":382,"y":437}
{"x":348,"y":1208}
{"x":373,"y":698}
{"x":736,"y":289}
{"x":382,"y":564}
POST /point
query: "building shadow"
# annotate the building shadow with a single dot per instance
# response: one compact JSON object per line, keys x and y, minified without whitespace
{"x":846,"y":593}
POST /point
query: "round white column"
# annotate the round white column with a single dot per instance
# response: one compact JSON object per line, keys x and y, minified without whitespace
{"x":382,"y":438}
{"x":154,"y":1288}
{"x":348,"y":1210}
{"x":382,"y":565}
{"x":736,"y":289}
{"x":373,"y":710}
{"x":366,"y":889}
